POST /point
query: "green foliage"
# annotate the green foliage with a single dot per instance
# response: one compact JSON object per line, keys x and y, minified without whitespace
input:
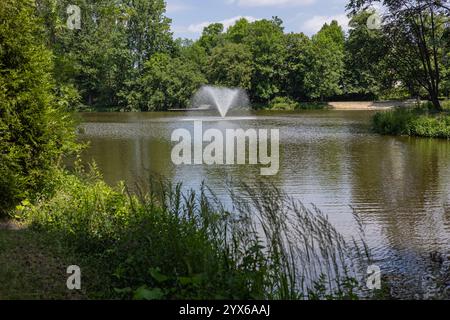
{"x":35,"y":130}
{"x":324,"y":74}
{"x":416,"y":34}
{"x":105,"y":57}
{"x":296,"y":63}
{"x":231,"y":65}
{"x":283,"y":103}
{"x":171,"y":244}
{"x":266,"y":41}
{"x":107,"y":61}
{"x":365,"y":59}
{"x":211,"y":37}
{"x":413,"y":123}
{"x":166,"y":83}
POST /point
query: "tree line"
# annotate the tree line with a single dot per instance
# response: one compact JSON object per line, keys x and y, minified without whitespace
{"x":125,"y":57}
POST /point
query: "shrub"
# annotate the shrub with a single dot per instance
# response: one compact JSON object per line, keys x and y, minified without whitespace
{"x":283,"y":103}
{"x":446,"y":104}
{"x":416,"y":122}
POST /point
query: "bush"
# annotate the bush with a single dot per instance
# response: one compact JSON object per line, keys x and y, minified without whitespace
{"x":446,"y":104}
{"x":416,"y":122}
{"x":170,"y":244}
{"x":283,"y":103}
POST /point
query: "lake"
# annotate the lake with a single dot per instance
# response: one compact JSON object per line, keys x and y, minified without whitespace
{"x":400,"y":186}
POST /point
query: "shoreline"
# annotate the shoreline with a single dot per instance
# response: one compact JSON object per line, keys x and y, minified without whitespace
{"x":369,"y":105}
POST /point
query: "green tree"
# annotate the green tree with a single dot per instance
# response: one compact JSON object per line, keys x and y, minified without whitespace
{"x":325,"y":70}
{"x":166,"y":83}
{"x":35,"y":130}
{"x":231,"y":65}
{"x":237,"y":32}
{"x":211,"y":37}
{"x":415,"y":30}
{"x":266,"y":40}
{"x":297,"y":46}
{"x":192,"y":51}
{"x":366,"y":70}
{"x":105,"y":57}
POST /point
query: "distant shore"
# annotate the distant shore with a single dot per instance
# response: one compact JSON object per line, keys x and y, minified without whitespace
{"x":369,"y":105}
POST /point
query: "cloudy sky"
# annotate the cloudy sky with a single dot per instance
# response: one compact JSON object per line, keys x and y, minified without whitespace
{"x":190,"y":16}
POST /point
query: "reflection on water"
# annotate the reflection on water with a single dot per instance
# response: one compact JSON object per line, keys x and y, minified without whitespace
{"x":400,"y":186}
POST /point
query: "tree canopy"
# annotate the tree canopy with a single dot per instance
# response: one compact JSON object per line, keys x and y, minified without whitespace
{"x":115,"y":60}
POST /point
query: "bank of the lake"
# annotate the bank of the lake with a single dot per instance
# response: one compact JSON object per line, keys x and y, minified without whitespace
{"x":418,"y":122}
{"x":168,"y":244}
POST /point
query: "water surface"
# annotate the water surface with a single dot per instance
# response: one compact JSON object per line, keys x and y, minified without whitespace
{"x":400,"y":186}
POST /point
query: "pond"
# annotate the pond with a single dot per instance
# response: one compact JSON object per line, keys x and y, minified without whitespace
{"x":400,"y":186}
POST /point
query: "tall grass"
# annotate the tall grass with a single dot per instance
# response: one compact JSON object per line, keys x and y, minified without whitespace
{"x":412,"y":122}
{"x":170,"y":243}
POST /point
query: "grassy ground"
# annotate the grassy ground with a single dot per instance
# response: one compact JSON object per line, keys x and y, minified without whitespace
{"x":33,"y":267}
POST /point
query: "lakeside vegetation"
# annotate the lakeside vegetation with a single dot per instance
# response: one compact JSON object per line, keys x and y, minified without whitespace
{"x":421,"y":121}
{"x":169,"y":244}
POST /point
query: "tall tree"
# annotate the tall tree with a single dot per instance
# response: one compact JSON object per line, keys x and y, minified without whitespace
{"x":231,"y":65}
{"x":366,"y":50}
{"x":415,"y":30}
{"x":105,"y":56}
{"x":266,"y":39}
{"x":166,"y":83}
{"x":297,"y":46}
{"x":35,"y":131}
{"x":211,"y":37}
{"x":326,"y":62}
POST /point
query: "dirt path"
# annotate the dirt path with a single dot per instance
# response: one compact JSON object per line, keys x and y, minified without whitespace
{"x":368,"y":105}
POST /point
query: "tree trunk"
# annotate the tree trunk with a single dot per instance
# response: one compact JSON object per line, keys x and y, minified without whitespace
{"x":436,"y":103}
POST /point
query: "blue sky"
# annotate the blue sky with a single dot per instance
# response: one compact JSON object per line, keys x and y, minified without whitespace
{"x":190,"y":16}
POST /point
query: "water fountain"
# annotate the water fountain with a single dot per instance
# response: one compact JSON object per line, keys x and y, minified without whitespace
{"x":221,"y":98}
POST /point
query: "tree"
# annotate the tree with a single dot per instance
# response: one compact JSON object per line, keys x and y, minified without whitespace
{"x":297,"y":45}
{"x":324,"y":74}
{"x":166,"y":83}
{"x":192,"y":51}
{"x":366,"y":71}
{"x":231,"y":65}
{"x":105,"y":57}
{"x":237,"y":32}
{"x":415,"y":30}
{"x":35,"y":131}
{"x":211,"y":36}
{"x":265,"y":38}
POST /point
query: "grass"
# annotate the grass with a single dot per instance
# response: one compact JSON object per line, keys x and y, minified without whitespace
{"x":419,"y":122}
{"x":169,"y":244}
{"x":33,"y":267}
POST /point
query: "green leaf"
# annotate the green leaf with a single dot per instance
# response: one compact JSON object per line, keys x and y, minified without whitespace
{"x":145,"y":293}
{"x":157,"y":275}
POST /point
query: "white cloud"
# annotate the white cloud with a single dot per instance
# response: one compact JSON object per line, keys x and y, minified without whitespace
{"x":176,"y":7}
{"x":314,"y":24}
{"x":197,"y":28}
{"x":271,"y":3}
